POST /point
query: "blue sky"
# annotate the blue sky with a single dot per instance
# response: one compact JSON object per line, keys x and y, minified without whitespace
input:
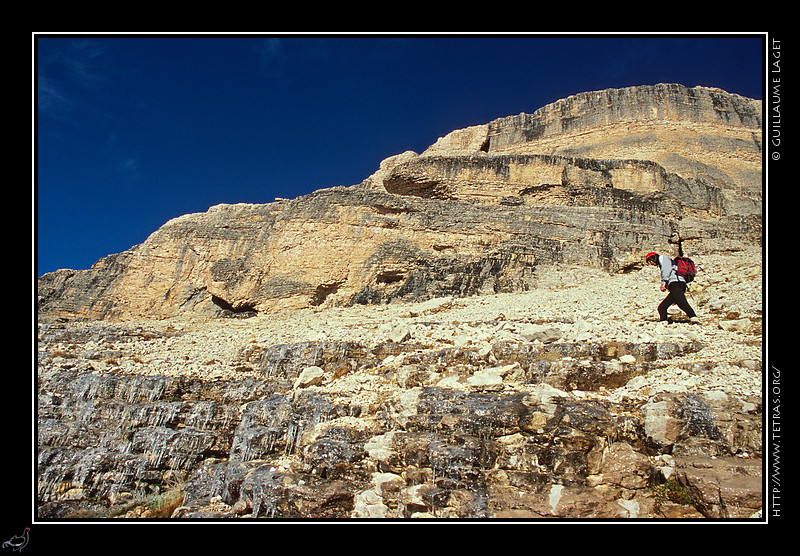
{"x":131,"y":131}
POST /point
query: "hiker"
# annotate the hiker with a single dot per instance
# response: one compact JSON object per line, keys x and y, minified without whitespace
{"x":675,"y":283}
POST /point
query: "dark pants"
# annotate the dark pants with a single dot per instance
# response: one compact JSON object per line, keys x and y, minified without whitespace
{"x":677,"y":295}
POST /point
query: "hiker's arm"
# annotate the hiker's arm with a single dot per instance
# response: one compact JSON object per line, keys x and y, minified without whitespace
{"x":666,"y":269}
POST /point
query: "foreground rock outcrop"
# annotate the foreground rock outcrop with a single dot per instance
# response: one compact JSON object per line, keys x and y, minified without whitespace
{"x":566,"y":401}
{"x":469,"y":333}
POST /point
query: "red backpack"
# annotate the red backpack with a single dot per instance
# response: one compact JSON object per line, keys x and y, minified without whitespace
{"x":684,"y":266}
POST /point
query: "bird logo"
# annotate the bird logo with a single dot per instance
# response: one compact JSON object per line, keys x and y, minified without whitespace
{"x":18,"y":542}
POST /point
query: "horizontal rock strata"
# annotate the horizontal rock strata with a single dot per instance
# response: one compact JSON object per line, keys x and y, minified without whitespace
{"x":463,"y":448}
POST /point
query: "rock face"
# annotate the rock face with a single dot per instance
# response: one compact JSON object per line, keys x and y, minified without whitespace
{"x":468,"y":333}
{"x":596,"y":179}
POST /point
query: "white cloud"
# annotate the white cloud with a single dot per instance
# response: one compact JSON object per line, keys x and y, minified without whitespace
{"x":66,"y":69}
{"x":271,"y":53}
{"x":49,"y":98}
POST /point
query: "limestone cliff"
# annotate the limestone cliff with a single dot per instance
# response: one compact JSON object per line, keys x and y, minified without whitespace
{"x":596,"y":179}
{"x":520,"y":371}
